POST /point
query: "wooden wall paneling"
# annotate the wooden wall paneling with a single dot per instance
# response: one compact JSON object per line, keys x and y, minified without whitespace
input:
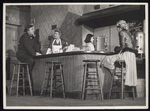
{"x":73,"y":72}
{"x":114,"y":39}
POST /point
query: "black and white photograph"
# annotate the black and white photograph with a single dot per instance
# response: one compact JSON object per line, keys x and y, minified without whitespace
{"x":75,"y":55}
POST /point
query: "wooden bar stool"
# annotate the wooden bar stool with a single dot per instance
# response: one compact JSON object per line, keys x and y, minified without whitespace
{"x":53,"y":78}
{"x":95,"y":79}
{"x":122,"y":66}
{"x":20,"y":71}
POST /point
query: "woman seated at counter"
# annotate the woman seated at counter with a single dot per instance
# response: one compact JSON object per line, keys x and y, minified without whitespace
{"x":89,"y":43}
{"x":57,"y":44}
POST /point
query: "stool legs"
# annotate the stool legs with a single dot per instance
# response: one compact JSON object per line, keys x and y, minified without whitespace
{"x":50,"y":78}
{"x":133,"y":90}
{"x":51,"y":84}
{"x":84,"y":80}
{"x":62,"y":79}
{"x":23,"y":81}
{"x":12,"y":78}
{"x":18,"y":70}
{"x":44,"y":79}
{"x":99,"y":83}
{"x":18,"y":80}
{"x":95,"y":79}
{"x":122,"y":83}
{"x":29,"y":80}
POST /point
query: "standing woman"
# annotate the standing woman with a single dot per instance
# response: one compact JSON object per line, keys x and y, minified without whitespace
{"x":126,"y":52}
{"x":28,"y":48}
{"x":89,"y":43}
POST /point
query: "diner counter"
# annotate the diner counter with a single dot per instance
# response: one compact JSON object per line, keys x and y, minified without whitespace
{"x":73,"y":53}
{"x":72,"y":68}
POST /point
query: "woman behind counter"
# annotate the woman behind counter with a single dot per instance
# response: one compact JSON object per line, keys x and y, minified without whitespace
{"x":89,"y":43}
{"x":28,"y":48}
{"x":57,"y":44}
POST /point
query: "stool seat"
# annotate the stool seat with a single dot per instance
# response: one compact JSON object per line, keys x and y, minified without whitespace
{"x":91,"y":60}
{"x":19,"y":63}
{"x":120,"y":61}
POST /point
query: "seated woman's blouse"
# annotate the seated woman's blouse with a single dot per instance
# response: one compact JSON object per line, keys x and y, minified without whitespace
{"x":90,"y":46}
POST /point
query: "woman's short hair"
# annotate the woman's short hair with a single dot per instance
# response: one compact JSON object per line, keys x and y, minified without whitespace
{"x":88,"y":38}
{"x":122,"y":24}
{"x":27,"y":27}
{"x":57,"y":30}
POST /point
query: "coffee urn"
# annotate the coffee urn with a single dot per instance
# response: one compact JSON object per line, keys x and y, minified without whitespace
{"x":140,"y":42}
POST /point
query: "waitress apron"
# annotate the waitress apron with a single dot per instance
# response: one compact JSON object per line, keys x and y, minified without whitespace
{"x":56,"y":48}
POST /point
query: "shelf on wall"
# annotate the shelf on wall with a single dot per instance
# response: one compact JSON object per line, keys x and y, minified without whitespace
{"x":13,"y":24}
{"x":111,"y":15}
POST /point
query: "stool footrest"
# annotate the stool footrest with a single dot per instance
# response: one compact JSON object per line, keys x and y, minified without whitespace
{"x":92,"y":89}
{"x":93,"y":93}
{"x":91,"y":72}
{"x":91,"y":79}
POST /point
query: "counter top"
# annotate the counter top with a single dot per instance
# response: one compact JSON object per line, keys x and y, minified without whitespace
{"x":81,"y":53}
{"x":73,"y":53}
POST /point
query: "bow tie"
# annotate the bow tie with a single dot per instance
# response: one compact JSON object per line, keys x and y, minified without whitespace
{"x":31,"y":37}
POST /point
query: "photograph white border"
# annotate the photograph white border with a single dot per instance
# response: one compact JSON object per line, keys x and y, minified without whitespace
{"x":91,"y":107}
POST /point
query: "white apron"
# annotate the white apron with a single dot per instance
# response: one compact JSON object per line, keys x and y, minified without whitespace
{"x":56,"y":48}
{"x":131,"y":69}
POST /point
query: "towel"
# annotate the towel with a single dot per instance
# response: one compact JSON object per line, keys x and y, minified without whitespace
{"x":109,"y":61}
{"x":131,"y":69}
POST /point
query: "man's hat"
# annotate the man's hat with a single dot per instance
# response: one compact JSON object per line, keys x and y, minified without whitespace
{"x":27,"y":27}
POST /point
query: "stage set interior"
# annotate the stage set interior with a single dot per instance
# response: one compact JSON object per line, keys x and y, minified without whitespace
{"x":75,"y":22}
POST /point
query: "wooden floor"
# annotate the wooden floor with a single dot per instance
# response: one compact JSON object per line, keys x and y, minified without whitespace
{"x":36,"y":101}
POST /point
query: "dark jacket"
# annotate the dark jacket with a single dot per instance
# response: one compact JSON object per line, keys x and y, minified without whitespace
{"x":126,"y":42}
{"x":28,"y":45}
{"x":125,"y":39}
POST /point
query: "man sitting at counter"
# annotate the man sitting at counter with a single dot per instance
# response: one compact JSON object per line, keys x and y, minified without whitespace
{"x":57,"y":44}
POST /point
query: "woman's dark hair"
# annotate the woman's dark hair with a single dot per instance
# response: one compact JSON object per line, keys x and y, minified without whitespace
{"x":88,"y":38}
{"x":27,"y":28}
